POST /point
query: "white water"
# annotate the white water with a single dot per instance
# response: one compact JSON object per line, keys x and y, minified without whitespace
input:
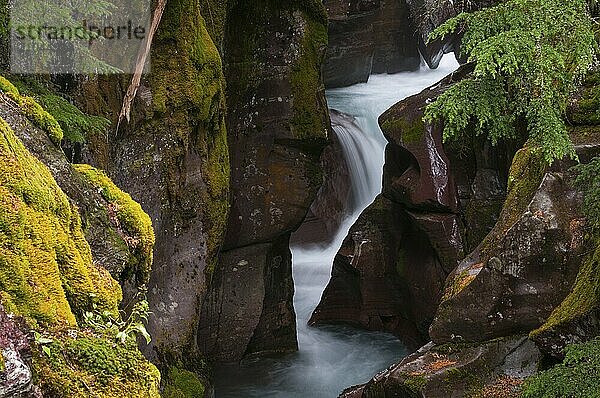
{"x":334,"y":357}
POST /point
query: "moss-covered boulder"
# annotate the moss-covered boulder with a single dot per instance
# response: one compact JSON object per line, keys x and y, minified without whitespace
{"x":525,"y":267}
{"x":48,"y":277}
{"x":123,"y":247}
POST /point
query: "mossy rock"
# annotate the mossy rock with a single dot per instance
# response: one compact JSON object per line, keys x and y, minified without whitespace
{"x":526,"y":174}
{"x":182,"y":383}
{"x":94,"y":366}
{"x":583,"y":300}
{"x":33,"y":111}
{"x":46,"y":272}
{"x":133,"y":224}
{"x":410,"y":132}
{"x":75,"y":124}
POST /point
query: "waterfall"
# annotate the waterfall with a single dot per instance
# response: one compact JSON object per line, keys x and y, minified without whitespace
{"x":334,"y":357}
{"x":364,"y":155}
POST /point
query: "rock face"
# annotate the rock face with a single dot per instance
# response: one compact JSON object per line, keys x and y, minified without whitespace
{"x":173,"y":159}
{"x":521,"y":272}
{"x":15,"y":372}
{"x":368,"y":36}
{"x":436,"y":205}
{"x":333,"y":202}
{"x":388,"y":36}
{"x":277,"y":128}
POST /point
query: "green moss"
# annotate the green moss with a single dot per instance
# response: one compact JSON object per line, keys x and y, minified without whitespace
{"x":401,"y":265}
{"x":410,"y":132}
{"x":459,"y":282}
{"x":94,"y":366}
{"x":586,"y":110}
{"x":46,"y":269}
{"x":215,"y":15}
{"x":481,"y":216}
{"x":415,"y":382}
{"x":526,"y":174}
{"x":34,"y":112}
{"x":131,"y":220}
{"x":183,"y":384}
{"x":584,"y":297}
{"x":577,"y":376}
{"x":189,"y":105}
{"x":8,"y":88}
{"x":2,"y":365}
{"x":309,"y":118}
{"x":75,"y":124}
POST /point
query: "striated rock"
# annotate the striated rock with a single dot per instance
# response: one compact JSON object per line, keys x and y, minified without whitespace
{"x":368,"y":36}
{"x":277,"y":128}
{"x":454,"y":371}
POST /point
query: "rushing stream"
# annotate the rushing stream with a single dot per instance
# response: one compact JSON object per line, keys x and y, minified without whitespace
{"x":334,"y":357}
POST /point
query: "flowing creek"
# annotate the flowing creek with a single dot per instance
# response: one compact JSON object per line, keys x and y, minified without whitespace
{"x":332,"y":358}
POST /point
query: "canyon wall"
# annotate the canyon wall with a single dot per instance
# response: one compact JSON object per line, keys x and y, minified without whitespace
{"x":277,"y":128}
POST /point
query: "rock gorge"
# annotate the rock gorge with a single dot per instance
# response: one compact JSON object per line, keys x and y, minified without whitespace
{"x":477,"y":257}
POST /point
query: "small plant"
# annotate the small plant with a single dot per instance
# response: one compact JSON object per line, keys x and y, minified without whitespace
{"x":123,"y":329}
{"x":135,"y":324}
{"x":43,"y":342}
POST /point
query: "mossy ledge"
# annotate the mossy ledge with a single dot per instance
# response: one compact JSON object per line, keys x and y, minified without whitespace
{"x":33,"y":111}
{"x":95,"y":366}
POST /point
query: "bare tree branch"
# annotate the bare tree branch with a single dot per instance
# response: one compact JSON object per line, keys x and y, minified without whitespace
{"x":140,"y":63}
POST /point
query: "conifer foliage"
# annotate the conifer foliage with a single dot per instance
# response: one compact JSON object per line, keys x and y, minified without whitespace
{"x":529,"y":56}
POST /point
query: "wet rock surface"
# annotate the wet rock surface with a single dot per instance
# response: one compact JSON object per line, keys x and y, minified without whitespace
{"x":366,"y":37}
{"x":277,"y":128}
{"x":454,"y":371}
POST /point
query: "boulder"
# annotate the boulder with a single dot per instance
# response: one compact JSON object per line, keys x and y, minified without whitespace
{"x":526,"y":266}
{"x":454,"y":371}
